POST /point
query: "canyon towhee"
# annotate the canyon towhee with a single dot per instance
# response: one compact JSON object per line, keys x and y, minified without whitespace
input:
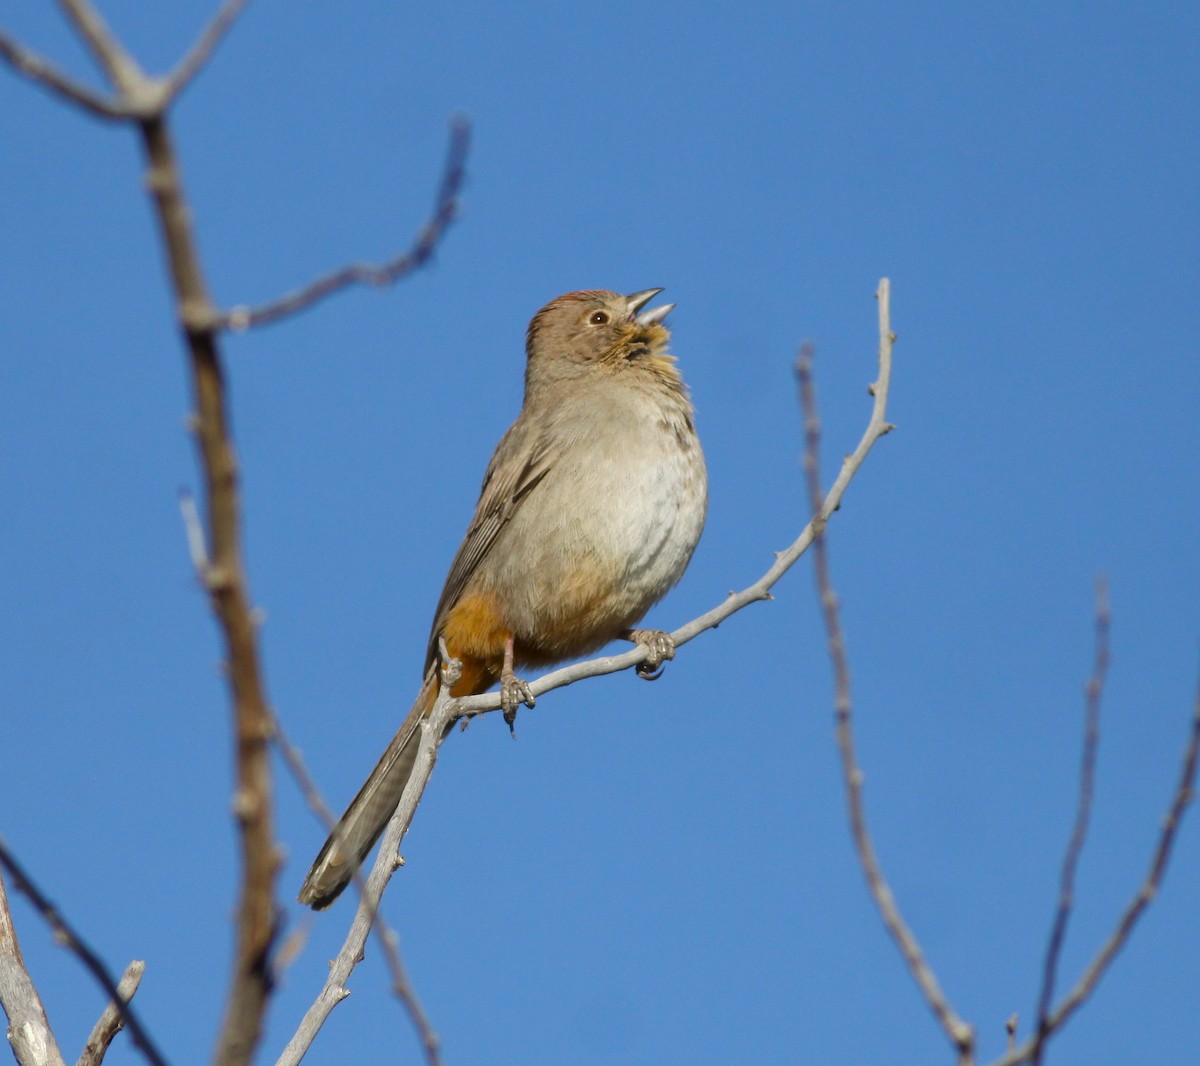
{"x":589,"y":512}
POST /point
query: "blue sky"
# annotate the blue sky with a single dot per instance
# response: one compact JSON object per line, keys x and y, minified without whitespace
{"x":652,"y":873}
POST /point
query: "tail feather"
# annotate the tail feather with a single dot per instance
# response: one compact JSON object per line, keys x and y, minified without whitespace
{"x":369,"y":812}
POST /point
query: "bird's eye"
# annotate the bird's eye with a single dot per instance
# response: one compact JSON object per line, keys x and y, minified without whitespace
{"x":599,"y":318}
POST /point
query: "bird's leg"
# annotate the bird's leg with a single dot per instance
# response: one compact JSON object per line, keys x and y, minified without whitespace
{"x":660,"y":649}
{"x":513,"y":691}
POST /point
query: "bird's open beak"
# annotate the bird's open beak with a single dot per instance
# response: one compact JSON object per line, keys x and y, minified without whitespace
{"x":638,"y":300}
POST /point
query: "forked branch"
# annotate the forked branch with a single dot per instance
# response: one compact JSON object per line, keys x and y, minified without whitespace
{"x":1181,"y":797}
{"x":960,"y":1034}
{"x":66,"y":935}
{"x":1094,"y":691}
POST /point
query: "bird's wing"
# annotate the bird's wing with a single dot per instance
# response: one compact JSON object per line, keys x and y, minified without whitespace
{"x":522,"y":459}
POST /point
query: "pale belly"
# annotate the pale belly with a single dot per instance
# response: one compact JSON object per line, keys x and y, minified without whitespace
{"x":602,"y":542}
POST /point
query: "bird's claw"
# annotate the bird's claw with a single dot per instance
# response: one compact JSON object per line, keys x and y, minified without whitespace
{"x":513,"y":693}
{"x":660,"y":649}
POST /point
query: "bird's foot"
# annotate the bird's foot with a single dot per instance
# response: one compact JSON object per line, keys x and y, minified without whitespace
{"x":513,"y":693}
{"x":660,"y":649}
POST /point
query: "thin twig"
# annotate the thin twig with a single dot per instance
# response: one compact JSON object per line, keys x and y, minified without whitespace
{"x":387,"y":861}
{"x":1142,"y":898}
{"x":122,"y":71}
{"x":29,"y":1033}
{"x":200,"y":52}
{"x":390,"y":942}
{"x":110,"y":1022}
{"x":445,"y":211}
{"x":44,"y":73}
{"x":73,"y":942}
{"x":960,"y":1034}
{"x":1094,"y":691}
{"x":138,"y":96}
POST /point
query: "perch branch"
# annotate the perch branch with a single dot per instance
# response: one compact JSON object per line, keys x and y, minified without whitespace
{"x":387,"y":861}
{"x":387,"y":937}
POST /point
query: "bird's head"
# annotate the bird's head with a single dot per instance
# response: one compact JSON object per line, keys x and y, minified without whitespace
{"x":597,"y":328}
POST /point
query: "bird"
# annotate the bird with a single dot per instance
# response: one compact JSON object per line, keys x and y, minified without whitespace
{"x":589,"y":512}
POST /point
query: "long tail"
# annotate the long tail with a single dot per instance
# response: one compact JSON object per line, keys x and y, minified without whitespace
{"x":369,"y":812}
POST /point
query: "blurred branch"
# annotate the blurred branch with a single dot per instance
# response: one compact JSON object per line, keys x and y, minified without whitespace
{"x":961,"y":1035}
{"x":335,"y":991}
{"x":116,"y":63}
{"x":224,"y":578}
{"x":137,"y":96}
{"x":145,"y":101}
{"x":445,"y":211}
{"x":215,"y":545}
{"x":110,"y":1022}
{"x":1142,"y":898}
{"x":64,"y":934}
{"x":202,"y":50}
{"x":44,"y":73}
{"x":29,"y":1033}
{"x":1094,"y":690}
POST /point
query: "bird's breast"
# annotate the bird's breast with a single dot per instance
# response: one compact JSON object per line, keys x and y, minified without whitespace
{"x":607,"y":533}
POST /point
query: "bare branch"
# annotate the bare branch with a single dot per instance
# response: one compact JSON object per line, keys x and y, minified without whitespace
{"x":387,"y":861}
{"x":228,"y":590}
{"x":445,"y":212}
{"x":44,"y":73}
{"x":146,"y":99}
{"x":1094,"y":690}
{"x":112,"y":58}
{"x":387,"y":937}
{"x":1086,"y":985}
{"x":202,"y":50}
{"x":961,"y":1035}
{"x":29,"y":1033}
{"x":110,"y":1022}
{"x":138,"y":97}
{"x":64,"y":934}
